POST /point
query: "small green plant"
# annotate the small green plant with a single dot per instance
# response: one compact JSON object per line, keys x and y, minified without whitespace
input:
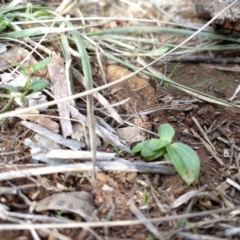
{"x":4,"y":22}
{"x":33,"y":84}
{"x":145,"y":198}
{"x":118,"y":151}
{"x":184,"y":159}
{"x":150,"y":237}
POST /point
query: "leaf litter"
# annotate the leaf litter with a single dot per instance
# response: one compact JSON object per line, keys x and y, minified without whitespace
{"x":36,"y":194}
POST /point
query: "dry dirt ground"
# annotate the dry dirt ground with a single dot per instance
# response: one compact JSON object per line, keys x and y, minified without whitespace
{"x":117,"y":194}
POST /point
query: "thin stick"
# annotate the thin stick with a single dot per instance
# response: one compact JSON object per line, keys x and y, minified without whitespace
{"x":148,"y":225}
{"x":214,"y":154}
{"x":114,"y":223}
{"x":123,"y":166}
{"x":203,"y":133}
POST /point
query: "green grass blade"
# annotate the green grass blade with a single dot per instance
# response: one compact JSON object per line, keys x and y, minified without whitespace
{"x":165,"y":79}
{"x":41,"y":64}
{"x":87,"y":72}
{"x":139,"y":30}
{"x":31,"y":32}
{"x":189,"y":90}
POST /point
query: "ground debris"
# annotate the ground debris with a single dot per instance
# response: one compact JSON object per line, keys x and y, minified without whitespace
{"x":77,"y":202}
{"x":61,"y":88}
{"x":71,"y":143}
{"x":226,"y":23}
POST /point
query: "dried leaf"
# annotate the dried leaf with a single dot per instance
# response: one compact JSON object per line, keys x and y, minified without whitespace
{"x":77,"y":202}
{"x":43,"y":121}
{"x":184,"y":198}
{"x":131,"y":134}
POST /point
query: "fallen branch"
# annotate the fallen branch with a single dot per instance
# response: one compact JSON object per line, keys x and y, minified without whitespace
{"x":81,"y":155}
{"x":117,"y":165}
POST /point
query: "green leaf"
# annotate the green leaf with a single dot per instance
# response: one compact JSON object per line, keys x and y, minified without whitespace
{"x":11,"y":88}
{"x":38,"y":84}
{"x":41,"y":13}
{"x":157,"y":154}
{"x":151,"y":146}
{"x":155,"y":144}
{"x":24,"y":101}
{"x":145,"y":196}
{"x":157,"y":52}
{"x":138,"y":147}
{"x":24,"y":68}
{"x":185,"y":161}
{"x":7,"y":107}
{"x":147,"y":153}
{"x":4,"y":23}
{"x":166,"y":156}
{"x":41,"y":64}
{"x":166,"y":132}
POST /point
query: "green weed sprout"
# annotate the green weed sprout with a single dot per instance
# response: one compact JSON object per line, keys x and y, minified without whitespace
{"x":4,"y":23}
{"x":33,"y":84}
{"x":184,"y":159}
